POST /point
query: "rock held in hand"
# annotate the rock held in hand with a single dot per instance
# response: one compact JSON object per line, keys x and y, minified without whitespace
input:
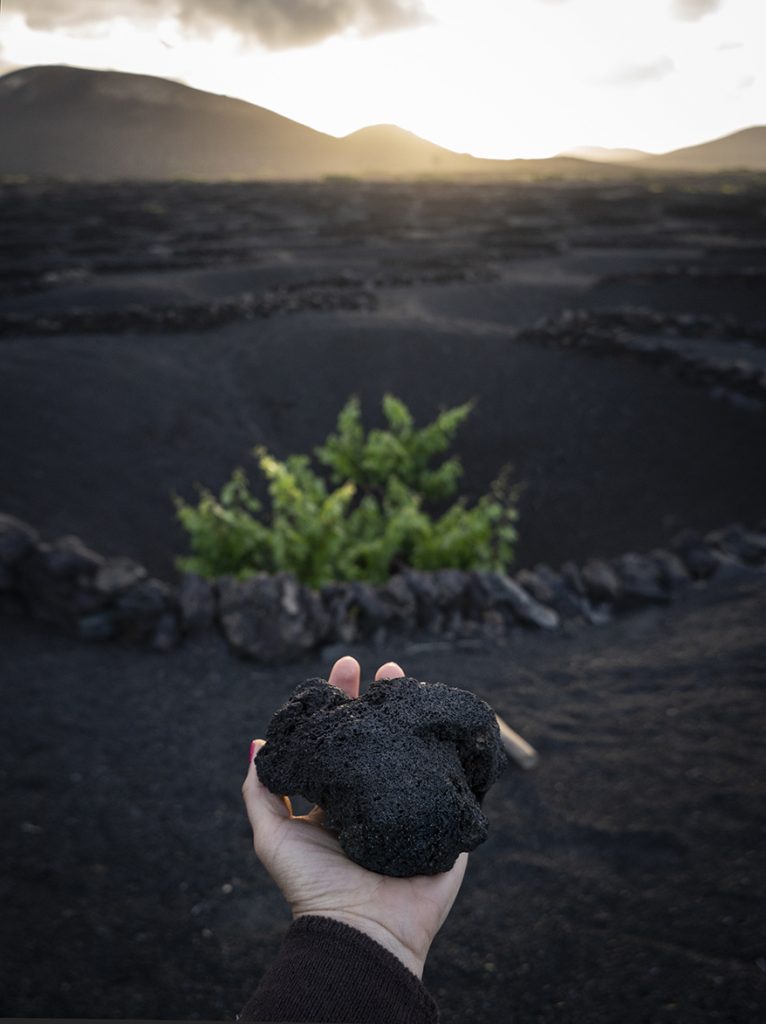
{"x":401,"y":771}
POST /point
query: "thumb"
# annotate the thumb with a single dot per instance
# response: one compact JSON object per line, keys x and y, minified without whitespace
{"x":264,"y":808}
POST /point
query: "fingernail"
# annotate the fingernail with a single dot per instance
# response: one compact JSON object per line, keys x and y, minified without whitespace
{"x":252,"y":751}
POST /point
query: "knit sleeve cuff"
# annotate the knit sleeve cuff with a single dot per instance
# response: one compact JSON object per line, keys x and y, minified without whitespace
{"x":328,"y":971}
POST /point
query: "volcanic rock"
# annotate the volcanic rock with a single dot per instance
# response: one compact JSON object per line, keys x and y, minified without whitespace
{"x":117,"y":575}
{"x":16,"y":539}
{"x":744,"y":545}
{"x":694,"y":553}
{"x":496,"y":590}
{"x":196,"y":599}
{"x":400,"y":772}
{"x":567,"y":603}
{"x":641,"y":580}
{"x":601,"y":581}
{"x":68,"y":557}
{"x":673,"y":573}
{"x":426,"y":592}
{"x":271,"y":618}
{"x":400,"y":602}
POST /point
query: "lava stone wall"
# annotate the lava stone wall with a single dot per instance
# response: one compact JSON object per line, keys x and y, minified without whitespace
{"x":275,"y":618}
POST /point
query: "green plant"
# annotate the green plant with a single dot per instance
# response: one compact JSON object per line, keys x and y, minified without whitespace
{"x":371,"y":524}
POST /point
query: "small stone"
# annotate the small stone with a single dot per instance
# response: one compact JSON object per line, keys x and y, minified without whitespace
{"x":694,"y":553}
{"x":567,"y":603}
{"x":51,"y":598}
{"x":139,"y":609}
{"x":16,"y":539}
{"x":196,"y":599}
{"x":601,"y":582}
{"x":68,"y":557}
{"x":450,"y":586}
{"x":117,"y":575}
{"x":146,"y":599}
{"x":85,"y":600}
{"x":101,"y":626}
{"x":400,"y":604}
{"x":373,"y":613}
{"x":338,"y":604}
{"x":640,"y":580}
{"x":571,"y":576}
{"x":673,"y":573}
{"x":744,"y":545}
{"x":498,"y":590}
{"x":423,"y":586}
{"x":536,"y":586}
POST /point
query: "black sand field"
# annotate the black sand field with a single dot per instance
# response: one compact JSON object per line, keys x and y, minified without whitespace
{"x":150,"y":336}
{"x":622,"y":879}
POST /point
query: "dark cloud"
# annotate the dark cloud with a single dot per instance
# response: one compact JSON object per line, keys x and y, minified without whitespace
{"x":277,"y":24}
{"x":281,"y":24}
{"x":48,"y":14}
{"x":634,"y":74}
{"x":693,"y":10}
{"x":52,"y":14}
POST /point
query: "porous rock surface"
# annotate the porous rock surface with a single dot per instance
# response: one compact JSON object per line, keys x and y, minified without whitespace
{"x":401,"y":771}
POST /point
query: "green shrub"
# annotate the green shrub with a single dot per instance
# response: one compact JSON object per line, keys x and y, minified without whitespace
{"x":368,"y":522}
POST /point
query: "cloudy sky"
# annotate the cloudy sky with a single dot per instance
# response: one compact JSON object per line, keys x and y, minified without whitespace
{"x":499,"y":78}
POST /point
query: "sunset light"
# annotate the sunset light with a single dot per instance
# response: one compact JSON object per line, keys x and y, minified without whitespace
{"x":494,"y":79}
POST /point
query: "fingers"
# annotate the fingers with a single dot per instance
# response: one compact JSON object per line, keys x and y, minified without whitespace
{"x":264,"y":808}
{"x":389,"y":671}
{"x":346,"y":675}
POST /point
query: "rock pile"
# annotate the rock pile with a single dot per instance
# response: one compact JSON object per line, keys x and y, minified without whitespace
{"x":650,"y":337}
{"x":97,"y":598}
{"x":275,"y":618}
{"x":321,"y":297}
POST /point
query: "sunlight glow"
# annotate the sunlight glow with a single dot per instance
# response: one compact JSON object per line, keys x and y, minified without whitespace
{"x":491,"y":78}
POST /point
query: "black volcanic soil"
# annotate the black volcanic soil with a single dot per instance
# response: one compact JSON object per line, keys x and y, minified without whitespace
{"x":150,"y":336}
{"x":137,"y":358}
{"x":621,"y":879}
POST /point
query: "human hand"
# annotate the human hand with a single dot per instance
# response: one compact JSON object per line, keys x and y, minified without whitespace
{"x":316,"y":877}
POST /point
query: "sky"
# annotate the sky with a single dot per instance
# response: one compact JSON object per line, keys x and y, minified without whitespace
{"x":495,"y":78}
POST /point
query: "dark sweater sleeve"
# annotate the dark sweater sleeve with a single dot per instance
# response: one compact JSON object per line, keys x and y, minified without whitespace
{"x":328,"y":971}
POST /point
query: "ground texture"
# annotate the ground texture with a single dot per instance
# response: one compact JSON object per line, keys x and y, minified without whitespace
{"x":151,"y":335}
{"x":621,"y":879}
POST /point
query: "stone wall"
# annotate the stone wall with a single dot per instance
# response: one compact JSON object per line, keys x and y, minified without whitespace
{"x":651,"y":337}
{"x":274,"y":618}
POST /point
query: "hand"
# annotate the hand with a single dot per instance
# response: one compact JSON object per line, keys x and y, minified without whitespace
{"x":316,"y":877}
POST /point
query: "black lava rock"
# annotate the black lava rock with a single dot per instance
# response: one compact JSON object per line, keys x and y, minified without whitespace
{"x":401,"y":771}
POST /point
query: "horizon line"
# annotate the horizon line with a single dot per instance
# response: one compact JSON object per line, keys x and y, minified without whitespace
{"x":566,"y":153}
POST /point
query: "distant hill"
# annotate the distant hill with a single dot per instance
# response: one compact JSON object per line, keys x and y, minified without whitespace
{"x":602,"y":154}
{"x":744,"y":150}
{"x":64,"y":122}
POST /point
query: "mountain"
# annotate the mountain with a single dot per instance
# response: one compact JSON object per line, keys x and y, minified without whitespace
{"x":744,"y":150}
{"x":71,"y":122}
{"x":64,"y":122}
{"x":602,"y":154}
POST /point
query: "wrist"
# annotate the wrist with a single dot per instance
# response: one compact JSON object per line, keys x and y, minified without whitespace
{"x":413,"y":960}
